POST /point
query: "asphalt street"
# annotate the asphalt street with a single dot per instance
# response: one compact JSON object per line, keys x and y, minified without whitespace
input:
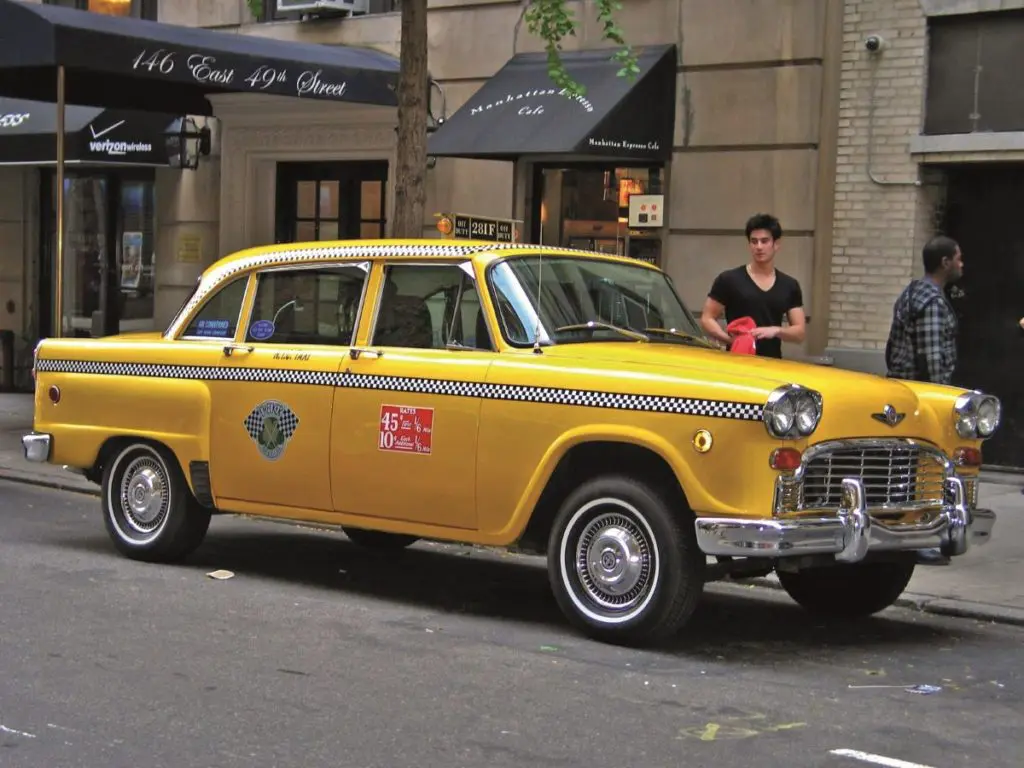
{"x":316,"y":653}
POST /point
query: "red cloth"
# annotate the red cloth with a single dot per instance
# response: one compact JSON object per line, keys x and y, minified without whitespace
{"x":742,"y":341}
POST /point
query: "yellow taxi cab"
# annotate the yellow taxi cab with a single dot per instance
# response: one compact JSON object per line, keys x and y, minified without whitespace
{"x":561,"y":402}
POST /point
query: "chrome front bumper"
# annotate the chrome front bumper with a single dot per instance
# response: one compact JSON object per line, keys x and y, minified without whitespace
{"x":36,"y":446}
{"x":849,"y":534}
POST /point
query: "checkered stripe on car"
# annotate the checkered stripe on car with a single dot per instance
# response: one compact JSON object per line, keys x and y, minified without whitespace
{"x":722,"y":409}
{"x":556,"y":396}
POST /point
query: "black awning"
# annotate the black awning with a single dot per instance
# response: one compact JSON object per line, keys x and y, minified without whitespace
{"x":28,"y":134}
{"x":128,"y":63}
{"x":520,"y":111}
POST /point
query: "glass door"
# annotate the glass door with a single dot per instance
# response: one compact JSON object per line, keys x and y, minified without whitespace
{"x":109,"y":243}
{"x":331,"y":201}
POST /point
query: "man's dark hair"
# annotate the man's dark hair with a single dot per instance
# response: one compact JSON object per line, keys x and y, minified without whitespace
{"x":938,"y":248}
{"x":764,"y":221}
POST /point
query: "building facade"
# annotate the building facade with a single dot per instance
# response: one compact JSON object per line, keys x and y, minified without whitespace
{"x":783,"y":106}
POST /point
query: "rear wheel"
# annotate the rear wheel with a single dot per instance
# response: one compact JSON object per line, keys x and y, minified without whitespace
{"x":379,"y":539}
{"x":624,"y":566}
{"x":848,"y":591}
{"x":148,"y":509}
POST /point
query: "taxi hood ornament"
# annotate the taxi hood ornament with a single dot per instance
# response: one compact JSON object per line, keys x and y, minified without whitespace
{"x":889,"y":416}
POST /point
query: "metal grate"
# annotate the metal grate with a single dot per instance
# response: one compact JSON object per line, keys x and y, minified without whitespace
{"x":893,"y":477}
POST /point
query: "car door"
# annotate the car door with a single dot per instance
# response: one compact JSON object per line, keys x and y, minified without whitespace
{"x":271,"y":405}
{"x":407,"y":408}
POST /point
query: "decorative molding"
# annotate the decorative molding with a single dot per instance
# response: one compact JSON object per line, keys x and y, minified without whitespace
{"x":997,"y":141}
{"x":964,"y":7}
{"x":334,"y":138}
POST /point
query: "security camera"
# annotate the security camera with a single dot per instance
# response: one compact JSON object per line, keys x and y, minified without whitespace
{"x":874,"y":43}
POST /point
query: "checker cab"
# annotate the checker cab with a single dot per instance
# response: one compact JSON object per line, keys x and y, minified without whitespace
{"x":561,"y":402}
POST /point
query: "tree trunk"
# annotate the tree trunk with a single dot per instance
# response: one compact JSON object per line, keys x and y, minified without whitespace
{"x":413,"y":90}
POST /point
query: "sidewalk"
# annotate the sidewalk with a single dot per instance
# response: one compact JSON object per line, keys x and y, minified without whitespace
{"x":985,"y":583}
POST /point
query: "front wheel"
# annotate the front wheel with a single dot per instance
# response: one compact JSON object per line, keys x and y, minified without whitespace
{"x":623,"y":565}
{"x":148,"y":509}
{"x":848,"y":591}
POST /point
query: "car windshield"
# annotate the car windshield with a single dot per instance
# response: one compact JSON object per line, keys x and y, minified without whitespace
{"x":565,"y":299}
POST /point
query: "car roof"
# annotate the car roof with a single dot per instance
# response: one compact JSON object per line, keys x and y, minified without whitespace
{"x":283,"y":254}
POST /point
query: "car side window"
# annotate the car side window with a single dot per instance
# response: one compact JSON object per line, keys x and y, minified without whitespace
{"x":307,"y":306}
{"x":218,"y":318}
{"x":430,"y":307}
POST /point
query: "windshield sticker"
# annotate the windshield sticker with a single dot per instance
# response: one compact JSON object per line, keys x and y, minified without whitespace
{"x":219,"y":329}
{"x":406,"y":429}
{"x":261,"y":330}
{"x":271,"y":425}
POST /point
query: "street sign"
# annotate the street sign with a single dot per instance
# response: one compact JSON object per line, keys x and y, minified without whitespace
{"x":465,"y":227}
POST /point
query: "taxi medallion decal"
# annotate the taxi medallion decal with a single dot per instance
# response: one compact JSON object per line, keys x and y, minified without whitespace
{"x":271,"y":425}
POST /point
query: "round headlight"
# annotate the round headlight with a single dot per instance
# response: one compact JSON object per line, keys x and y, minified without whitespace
{"x":989,"y":414}
{"x":792,"y":411}
{"x":976,"y":415}
{"x":808,"y":411}
{"x":784,"y":415}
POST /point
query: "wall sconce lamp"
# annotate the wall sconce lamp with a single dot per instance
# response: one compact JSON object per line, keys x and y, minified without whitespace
{"x":186,"y":143}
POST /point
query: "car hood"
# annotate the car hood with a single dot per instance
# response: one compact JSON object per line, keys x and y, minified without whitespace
{"x":850,"y":398}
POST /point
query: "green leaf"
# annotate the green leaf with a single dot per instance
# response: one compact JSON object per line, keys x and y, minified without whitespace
{"x":552,"y":21}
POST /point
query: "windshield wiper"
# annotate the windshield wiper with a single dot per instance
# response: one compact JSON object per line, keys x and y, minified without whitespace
{"x":592,"y":324}
{"x":687,"y":337}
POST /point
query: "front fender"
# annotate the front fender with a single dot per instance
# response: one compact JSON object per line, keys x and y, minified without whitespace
{"x":696,"y":492}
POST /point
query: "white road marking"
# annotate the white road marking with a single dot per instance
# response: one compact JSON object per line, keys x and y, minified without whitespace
{"x":5,"y":729}
{"x":867,"y":757}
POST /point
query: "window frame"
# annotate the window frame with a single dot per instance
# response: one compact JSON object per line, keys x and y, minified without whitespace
{"x":468,"y":269}
{"x":364,"y":265}
{"x":544,"y":339}
{"x":211,"y":295}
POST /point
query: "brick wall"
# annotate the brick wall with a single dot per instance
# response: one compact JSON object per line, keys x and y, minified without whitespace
{"x":879,"y":227}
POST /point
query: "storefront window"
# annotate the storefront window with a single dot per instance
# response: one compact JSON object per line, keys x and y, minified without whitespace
{"x":109,"y":244}
{"x":140,"y":9}
{"x":138,"y":244}
{"x":587,"y":207}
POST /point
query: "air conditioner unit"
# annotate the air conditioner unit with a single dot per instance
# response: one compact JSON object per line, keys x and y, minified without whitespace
{"x":322,"y":8}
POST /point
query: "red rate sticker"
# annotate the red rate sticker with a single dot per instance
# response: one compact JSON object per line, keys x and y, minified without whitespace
{"x":406,"y":429}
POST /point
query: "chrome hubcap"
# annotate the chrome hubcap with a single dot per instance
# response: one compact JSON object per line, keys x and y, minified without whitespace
{"x":614,"y":561}
{"x":144,"y":495}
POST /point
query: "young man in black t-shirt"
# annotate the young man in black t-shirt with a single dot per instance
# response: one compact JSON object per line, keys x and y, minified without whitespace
{"x":760,"y":291}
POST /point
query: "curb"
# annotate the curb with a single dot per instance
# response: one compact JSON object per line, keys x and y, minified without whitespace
{"x":14,"y":476}
{"x":938,"y":606}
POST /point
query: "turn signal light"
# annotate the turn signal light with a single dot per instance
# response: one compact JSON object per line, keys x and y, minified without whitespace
{"x":967,"y":457}
{"x":786,"y":459}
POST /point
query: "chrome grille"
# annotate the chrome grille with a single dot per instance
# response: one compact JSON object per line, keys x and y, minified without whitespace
{"x":894,"y":475}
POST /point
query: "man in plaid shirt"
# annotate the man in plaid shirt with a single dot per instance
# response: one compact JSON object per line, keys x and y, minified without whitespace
{"x":922,"y":338}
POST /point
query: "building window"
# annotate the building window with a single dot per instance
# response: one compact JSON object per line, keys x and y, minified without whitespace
{"x":139,"y":9}
{"x":974,"y":65}
{"x":587,"y":205}
{"x":364,"y":8}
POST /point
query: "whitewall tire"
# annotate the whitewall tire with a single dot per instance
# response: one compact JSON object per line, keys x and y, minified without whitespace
{"x":623,"y":565}
{"x":148,"y":509}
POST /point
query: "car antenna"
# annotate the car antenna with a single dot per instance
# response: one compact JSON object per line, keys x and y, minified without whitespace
{"x":540,"y":279}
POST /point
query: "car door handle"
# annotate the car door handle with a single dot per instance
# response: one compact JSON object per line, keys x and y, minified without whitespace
{"x":356,"y":352}
{"x":230,"y":349}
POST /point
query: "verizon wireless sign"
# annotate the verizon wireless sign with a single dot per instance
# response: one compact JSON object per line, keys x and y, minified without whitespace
{"x":100,"y":143}
{"x":14,"y":119}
